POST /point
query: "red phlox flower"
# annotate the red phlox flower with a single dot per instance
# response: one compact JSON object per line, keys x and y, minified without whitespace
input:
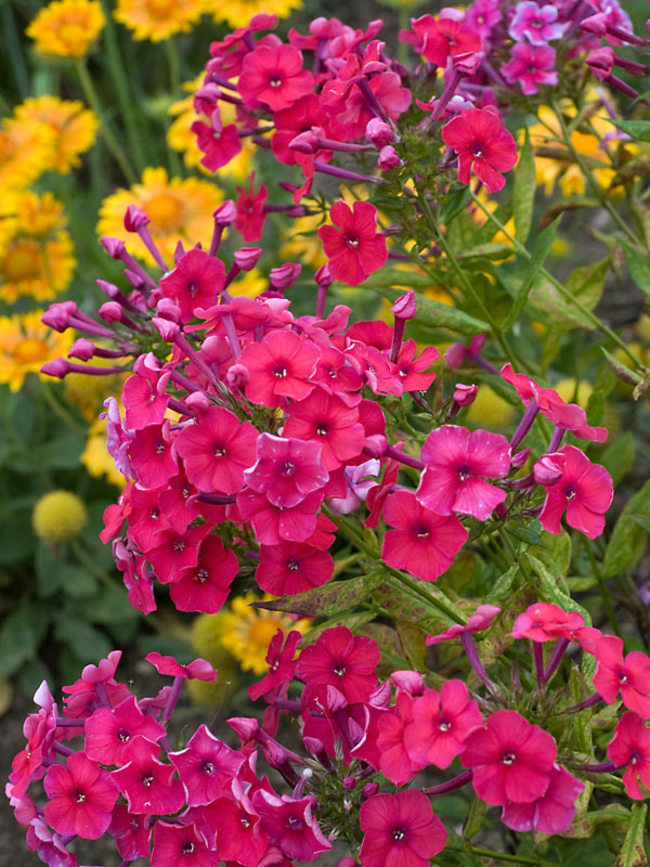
{"x":176,"y":553}
{"x":339,"y":374}
{"x":81,"y":797}
{"x":110,"y":731}
{"x":148,"y":784}
{"x":412,"y":369}
{"x":143,"y":394}
{"x":290,"y":824}
{"x":379,"y":373}
{"x":132,"y":833}
{"x":400,"y":830}
{"x":146,"y":521}
{"x":275,"y":524}
{"x":343,"y":660}
{"x":303,"y":115}
{"x":478,"y":622}
{"x":441,"y":723}
{"x":152,"y":456}
{"x":483,"y":144}
{"x":137,"y":578}
{"x":178,"y":503}
{"x":511,"y":759}
{"x":198,"y":669}
{"x":481,"y":17}
{"x":584,"y":490}
{"x":237,"y":826}
{"x":206,"y":766}
{"x":630,"y":747}
{"x":216,"y":450}
{"x":553,"y":813}
{"x":287,"y":470}
{"x":325,"y":419}
{"x":455,"y":462}
{"x":530,"y":65}
{"x":180,"y":845}
{"x":205,"y":587}
{"x":218,"y":143}
{"x":228,"y":53}
{"x":630,"y":674}
{"x":39,"y":729}
{"x":355,"y":249}
{"x":423,"y":542}
{"x":196,"y":281}
{"x":280,"y":658}
{"x":437,"y":39}
{"x":250,"y":211}
{"x":82,"y":695}
{"x":273,"y":77}
{"x":544,"y":621}
{"x":293,"y":567}
{"x":395,"y":762}
{"x":280,"y":366}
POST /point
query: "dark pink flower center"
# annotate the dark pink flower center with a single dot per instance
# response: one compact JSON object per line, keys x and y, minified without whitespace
{"x":464,"y":472}
{"x":207,"y":767}
{"x":421,"y":532}
{"x":508,"y":758}
{"x":124,"y":735}
{"x":280,"y":371}
{"x":147,"y":779}
{"x":275,"y":82}
{"x":179,"y":545}
{"x":295,"y":824}
{"x":188,"y":848}
{"x":287,"y":468}
{"x":444,"y":725}
{"x":339,"y":669}
{"x":322,"y":429}
{"x":219,"y":451}
{"x":201,"y":575}
{"x":79,"y":797}
{"x":293,"y":565}
{"x":570,"y":492}
{"x":399,"y":834}
{"x":352,"y":241}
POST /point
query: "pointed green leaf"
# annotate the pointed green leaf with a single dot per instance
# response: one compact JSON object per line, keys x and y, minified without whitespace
{"x":524,"y":194}
{"x":628,"y":541}
{"x":338,"y":596}
{"x":553,"y":589}
{"x":541,"y":249}
{"x":632,"y":853}
{"x":638,"y":264}
{"x":637,"y":129}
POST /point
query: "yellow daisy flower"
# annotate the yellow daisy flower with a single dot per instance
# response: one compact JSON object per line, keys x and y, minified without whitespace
{"x":303,"y":244}
{"x":181,"y":138}
{"x":250,"y":283}
{"x":25,"y":345}
{"x":73,"y":125}
{"x":158,"y":19}
{"x":179,"y":210}
{"x":238,"y":13}
{"x":67,"y":28}
{"x":95,"y":456}
{"x":26,"y":150}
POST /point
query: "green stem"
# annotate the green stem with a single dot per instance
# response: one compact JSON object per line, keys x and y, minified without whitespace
{"x":604,"y":592}
{"x":428,"y":597}
{"x":87,"y":561}
{"x":564,"y":292}
{"x":63,"y":413}
{"x":488,"y":853}
{"x":173,"y":60}
{"x":111,"y":142}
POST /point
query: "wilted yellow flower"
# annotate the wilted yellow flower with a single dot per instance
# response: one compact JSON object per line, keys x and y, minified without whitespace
{"x":59,"y":516}
{"x":26,"y":151}
{"x":25,"y":345}
{"x":73,"y":125}
{"x":158,"y":19}
{"x":67,"y":28}
{"x":179,"y":210}
{"x":238,"y":13}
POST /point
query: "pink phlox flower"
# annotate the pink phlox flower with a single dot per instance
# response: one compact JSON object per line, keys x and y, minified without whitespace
{"x":511,"y":759}
{"x":178,"y":503}
{"x":553,"y":813}
{"x":136,"y":575}
{"x":354,"y":248}
{"x":205,"y":587}
{"x":218,"y":143}
{"x":274,"y":524}
{"x":206,"y":766}
{"x":118,"y":436}
{"x":143,"y":394}
{"x":132,"y":833}
{"x":280,"y":366}
{"x":81,"y":797}
{"x":481,"y":17}
{"x":22,"y":804}
{"x":250,"y":211}
{"x":293,"y":567}
{"x":376,"y":496}
{"x":280,"y":659}
{"x":325,"y":419}
{"x":530,"y":65}
{"x":114,"y":517}
{"x":629,"y":674}
{"x":534,"y":23}
{"x":615,"y":16}
{"x":146,"y":522}
{"x":287,"y":470}
{"x":110,"y":731}
{"x":424,"y":543}
{"x":216,"y":450}
{"x":273,"y":77}
{"x":395,"y":762}
{"x":196,"y":281}
{"x":457,"y":462}
{"x":180,"y":845}
{"x":148,"y":784}
{"x":82,"y":697}
{"x":584,"y":490}
{"x":412,"y":369}
{"x":441,"y":723}
{"x":630,"y":748}
{"x":343,"y":660}
{"x":379,"y":373}
{"x":400,"y":829}
{"x":152,"y":455}
{"x":437,"y":39}
{"x":234,"y":826}
{"x":304,"y":115}
{"x":198,"y":669}
{"x":483,"y":145}
{"x":478,"y":622}
{"x":339,"y":374}
{"x":228,"y":53}
{"x":544,"y":621}
{"x":359,"y":479}
{"x":290,"y":824}
{"x":176,"y":553}
{"x":49,"y":846}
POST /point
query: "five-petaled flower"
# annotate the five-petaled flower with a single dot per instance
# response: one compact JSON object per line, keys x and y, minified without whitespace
{"x":483,"y":145}
{"x":355,"y":249}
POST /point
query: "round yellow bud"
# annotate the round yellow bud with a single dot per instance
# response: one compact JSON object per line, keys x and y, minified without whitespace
{"x":58,"y":517}
{"x":206,"y":637}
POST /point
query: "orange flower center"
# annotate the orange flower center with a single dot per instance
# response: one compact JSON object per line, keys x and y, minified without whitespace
{"x":262,"y":631}
{"x":166,"y":213}
{"x":22,"y":261}
{"x":30,"y":350}
{"x":161,"y":8}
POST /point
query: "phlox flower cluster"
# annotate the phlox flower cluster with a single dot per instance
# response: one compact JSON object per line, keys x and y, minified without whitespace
{"x":106,"y":763}
{"x":262,"y":431}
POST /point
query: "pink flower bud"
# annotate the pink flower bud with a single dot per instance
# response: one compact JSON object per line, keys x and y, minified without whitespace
{"x":247,"y":258}
{"x":596,"y":24}
{"x":226,"y":213}
{"x":406,"y":306}
{"x":285,"y":276}
{"x":110,"y":290}
{"x":408,"y":681}
{"x":388,"y":159}
{"x":375,"y":445}
{"x":82,"y":349}
{"x":167,"y":308}
{"x":135,"y":218}
{"x":169,"y":331}
{"x":111,"y":312}
{"x":379,"y":132}
{"x":455,"y":356}
{"x":465,"y":394}
{"x":323,"y":276}
{"x":370,"y":789}
{"x":113,"y":246}
{"x":58,"y":367}
{"x":246,"y":727}
{"x":237,"y":376}
{"x":349,"y":783}
{"x":501,"y":511}
{"x":548,"y":469}
{"x":305,"y":143}
{"x":520,"y":458}
{"x":57,"y":316}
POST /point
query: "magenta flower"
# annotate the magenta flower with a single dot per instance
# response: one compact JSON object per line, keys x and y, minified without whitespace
{"x":424,"y":543}
{"x":483,"y":144}
{"x":273,"y":75}
{"x":355,"y":249}
{"x":534,"y":23}
{"x":237,"y":828}
{"x":279,"y":366}
{"x":206,"y":766}
{"x":395,"y":761}
{"x":584,"y":490}
{"x":196,"y":282}
{"x":148,"y":784}
{"x":438,"y":39}
{"x":553,"y":813}
{"x":544,"y":621}
{"x":198,"y":669}
{"x":82,"y":796}
{"x":180,"y":845}
{"x":274,"y":524}
{"x":530,"y":65}
{"x":478,"y":622}
{"x":144,"y":394}
{"x":110,"y":731}
{"x":630,"y":674}
{"x":132,"y":833}
{"x":441,"y":723}
{"x":286,"y":470}
{"x":400,"y":830}
{"x":293,"y":567}
{"x":205,"y":587}
{"x":218,"y":143}
{"x":280,"y":659}
{"x":250,"y":211}
{"x":455,"y":462}
{"x":153,"y":460}
{"x":290,"y":824}
{"x":324,"y":418}
{"x":343,"y":660}
{"x":631,"y":746}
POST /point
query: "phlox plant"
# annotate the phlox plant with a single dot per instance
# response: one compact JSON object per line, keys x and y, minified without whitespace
{"x":286,"y":437}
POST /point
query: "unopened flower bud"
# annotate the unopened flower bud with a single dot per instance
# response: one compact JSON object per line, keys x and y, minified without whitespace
{"x":349,"y":783}
{"x":198,"y":400}
{"x":520,"y":458}
{"x":284,"y":276}
{"x":305,"y":143}
{"x":111,"y":312}
{"x":379,"y":132}
{"x":58,"y":367}
{"x":237,"y":376}
{"x":596,"y":24}
{"x":548,"y":469}
{"x":226,"y":213}
{"x":82,"y":349}
{"x":455,"y":355}
{"x":370,"y":789}
{"x":323,"y":276}
{"x":501,"y":511}
{"x":169,"y":331}
{"x":57,"y":316}
{"x":408,"y":681}
{"x":246,"y":727}
{"x":135,"y":218}
{"x":388,"y":159}
{"x":247,"y":258}
{"x":167,"y":308}
{"x":113,"y":246}
{"x":375,"y":445}
{"x":465,"y":394}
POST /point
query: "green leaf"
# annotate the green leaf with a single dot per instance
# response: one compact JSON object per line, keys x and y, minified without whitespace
{"x":474,"y":819}
{"x":16,"y":538}
{"x":618,"y":458}
{"x":638,"y":264}
{"x":627,"y":544}
{"x":19,"y":639}
{"x":502,"y":588}
{"x":541,"y":249}
{"x":455,"y":203}
{"x":433,"y":314}
{"x":86,"y":642}
{"x":524,"y":193}
{"x":586,"y":284}
{"x":336,"y":596}
{"x":587,"y":824}
{"x":552,"y":589}
{"x":632,"y":852}
{"x":554,"y":551}
{"x":638,"y":129}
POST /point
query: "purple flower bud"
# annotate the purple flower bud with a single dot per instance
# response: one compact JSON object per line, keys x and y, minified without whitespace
{"x":169,"y":331}
{"x":305,"y":143}
{"x":349,"y":783}
{"x":520,"y":458}
{"x":57,"y":316}
{"x":59,"y":367}
{"x":375,"y":445}
{"x":111,"y":312}
{"x":198,"y":400}
{"x":370,"y":789}
{"x":323,"y":276}
{"x":113,"y":246}
{"x":135,"y":218}
{"x":82,"y":349}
